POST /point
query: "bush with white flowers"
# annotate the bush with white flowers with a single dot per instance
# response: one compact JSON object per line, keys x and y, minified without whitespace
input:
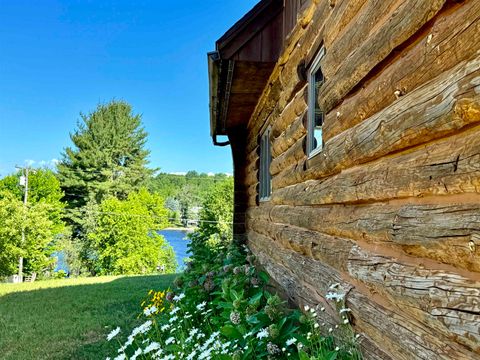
{"x":220,"y":308}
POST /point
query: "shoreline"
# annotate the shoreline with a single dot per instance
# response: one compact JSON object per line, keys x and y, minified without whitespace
{"x":188,"y":229}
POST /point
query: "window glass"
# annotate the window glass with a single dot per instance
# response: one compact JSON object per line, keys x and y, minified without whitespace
{"x":265,"y":181}
{"x":315,"y":112}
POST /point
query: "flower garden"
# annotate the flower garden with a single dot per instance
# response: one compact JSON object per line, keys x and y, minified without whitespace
{"x":221,"y":307}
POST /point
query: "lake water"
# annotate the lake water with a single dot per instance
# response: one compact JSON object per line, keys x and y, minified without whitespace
{"x":179,"y":241}
{"x":177,"y":238}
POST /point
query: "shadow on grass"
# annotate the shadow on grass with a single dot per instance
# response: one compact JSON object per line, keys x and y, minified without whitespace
{"x":71,"y":322}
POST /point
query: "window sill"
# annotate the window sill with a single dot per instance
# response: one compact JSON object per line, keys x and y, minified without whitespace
{"x":315,"y":153}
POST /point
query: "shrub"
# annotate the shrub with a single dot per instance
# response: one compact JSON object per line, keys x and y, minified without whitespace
{"x":125,"y":235}
{"x":220,"y":308}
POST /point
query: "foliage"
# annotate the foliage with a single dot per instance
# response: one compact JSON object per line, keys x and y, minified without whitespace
{"x":221,"y":308}
{"x":185,"y":191}
{"x":66,"y":319}
{"x":125,"y":235}
{"x":217,"y":213}
{"x":107,"y":158}
{"x":39,"y":229}
{"x":43,"y":187}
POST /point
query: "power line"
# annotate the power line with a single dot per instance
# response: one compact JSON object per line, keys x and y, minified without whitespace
{"x":101,"y":172}
{"x":86,"y":212}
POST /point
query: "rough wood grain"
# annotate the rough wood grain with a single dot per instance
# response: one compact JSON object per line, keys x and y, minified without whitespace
{"x":251,"y":178}
{"x":448,"y":166}
{"x":293,"y":110}
{"x":370,"y":18}
{"x":403,"y":336}
{"x":374,"y":44}
{"x":428,"y":231}
{"x":344,"y":13}
{"x":437,"y":109}
{"x":276,"y":94}
{"x":446,"y":301}
{"x":289,"y":137}
{"x":303,"y":294}
{"x":296,"y":153}
{"x":453,"y":37}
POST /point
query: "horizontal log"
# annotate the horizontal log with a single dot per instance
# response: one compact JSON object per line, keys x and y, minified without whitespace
{"x":252,"y":190}
{"x":402,"y":335}
{"x":253,"y":201}
{"x":279,"y":92}
{"x":453,"y":37}
{"x":429,"y":231}
{"x":372,"y":45}
{"x":293,"y":174}
{"x":292,"y":133}
{"x":449,"y":166}
{"x":356,"y":32}
{"x":426,"y":290}
{"x":252,"y":167}
{"x":443,"y":106}
{"x":251,"y":178}
{"x":447,"y":104}
{"x":446,"y":301}
{"x":301,"y":294}
{"x":293,"y":155}
{"x":293,"y":110}
{"x":330,"y":250}
{"x":253,"y":155}
{"x":342,"y":15}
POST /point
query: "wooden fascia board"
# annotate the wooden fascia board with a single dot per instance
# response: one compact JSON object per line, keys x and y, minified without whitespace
{"x":249,"y":26}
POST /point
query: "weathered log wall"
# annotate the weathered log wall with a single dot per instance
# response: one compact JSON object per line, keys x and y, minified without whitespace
{"x":390,"y":208}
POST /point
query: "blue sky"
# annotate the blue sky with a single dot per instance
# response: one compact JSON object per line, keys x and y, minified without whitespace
{"x":60,"y":58}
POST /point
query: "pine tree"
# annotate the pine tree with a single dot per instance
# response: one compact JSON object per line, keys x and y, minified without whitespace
{"x":107,"y":158}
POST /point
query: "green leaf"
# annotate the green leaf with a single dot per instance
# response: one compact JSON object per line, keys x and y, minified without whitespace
{"x":302,"y":355}
{"x":255,"y":298}
{"x":264,"y":276}
{"x":332,"y":355}
{"x":230,"y":332}
{"x":225,"y":305}
{"x":253,"y":319}
{"x":234,"y":295}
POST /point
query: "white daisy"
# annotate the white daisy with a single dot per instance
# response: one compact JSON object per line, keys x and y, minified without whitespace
{"x":291,"y":341}
{"x":262,"y":334}
{"x":113,"y":333}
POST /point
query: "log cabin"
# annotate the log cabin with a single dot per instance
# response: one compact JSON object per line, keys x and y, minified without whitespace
{"x":355,"y":133}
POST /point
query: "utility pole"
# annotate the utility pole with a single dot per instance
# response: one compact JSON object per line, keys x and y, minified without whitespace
{"x":24,"y":183}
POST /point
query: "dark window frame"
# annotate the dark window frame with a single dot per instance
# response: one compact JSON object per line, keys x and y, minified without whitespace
{"x":312,"y":148}
{"x":264,"y":176}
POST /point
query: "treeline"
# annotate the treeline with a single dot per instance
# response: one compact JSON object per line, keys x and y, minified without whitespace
{"x":103,"y":206}
{"x":185,"y":194}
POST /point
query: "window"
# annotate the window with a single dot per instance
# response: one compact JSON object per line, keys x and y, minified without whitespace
{"x":264,"y":177}
{"x":315,"y":113}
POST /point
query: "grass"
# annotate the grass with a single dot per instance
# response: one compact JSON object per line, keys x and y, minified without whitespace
{"x":69,"y":319}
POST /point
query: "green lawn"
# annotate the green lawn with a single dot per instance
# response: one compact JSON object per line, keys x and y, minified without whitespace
{"x":69,"y":319}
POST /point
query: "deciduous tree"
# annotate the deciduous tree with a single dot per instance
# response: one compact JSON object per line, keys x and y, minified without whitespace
{"x":126,"y":235}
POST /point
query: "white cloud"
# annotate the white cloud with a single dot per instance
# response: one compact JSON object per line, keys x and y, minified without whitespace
{"x":52,"y":163}
{"x":183,"y":173}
